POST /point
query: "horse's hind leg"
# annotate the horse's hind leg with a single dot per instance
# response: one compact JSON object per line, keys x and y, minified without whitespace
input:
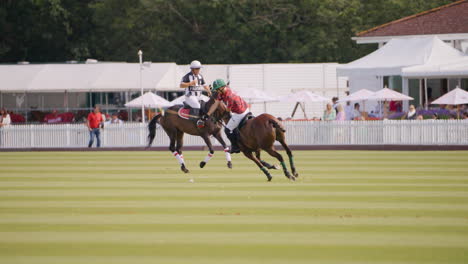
{"x":266,"y":164}
{"x":250,"y":155}
{"x":210,"y":147}
{"x":225,"y":147}
{"x":178,"y":150}
{"x":291,"y":159}
{"x":275,"y":154}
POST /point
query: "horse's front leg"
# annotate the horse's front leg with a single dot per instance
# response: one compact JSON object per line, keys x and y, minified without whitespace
{"x":207,"y":140}
{"x":225,"y":147}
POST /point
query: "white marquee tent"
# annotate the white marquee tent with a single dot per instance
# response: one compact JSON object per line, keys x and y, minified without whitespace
{"x":93,"y":77}
{"x":400,"y":53}
{"x":455,"y":68}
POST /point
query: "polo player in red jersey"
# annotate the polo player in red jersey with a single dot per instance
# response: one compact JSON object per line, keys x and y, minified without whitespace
{"x":235,"y":104}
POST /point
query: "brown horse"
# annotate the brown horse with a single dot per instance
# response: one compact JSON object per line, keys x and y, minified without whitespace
{"x":260,"y":133}
{"x":176,"y":127}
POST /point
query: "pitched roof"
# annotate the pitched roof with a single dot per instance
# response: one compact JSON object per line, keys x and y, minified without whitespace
{"x":447,"y":19}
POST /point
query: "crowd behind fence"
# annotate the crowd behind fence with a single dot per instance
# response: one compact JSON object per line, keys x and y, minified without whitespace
{"x":388,"y":132}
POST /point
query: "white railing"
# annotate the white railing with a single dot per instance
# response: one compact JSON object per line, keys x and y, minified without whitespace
{"x":389,"y":132}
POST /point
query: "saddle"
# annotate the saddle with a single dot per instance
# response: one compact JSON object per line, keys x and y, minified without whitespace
{"x":244,"y":120}
{"x":186,"y":112}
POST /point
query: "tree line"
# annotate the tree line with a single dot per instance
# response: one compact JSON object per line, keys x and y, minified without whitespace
{"x":213,"y":31}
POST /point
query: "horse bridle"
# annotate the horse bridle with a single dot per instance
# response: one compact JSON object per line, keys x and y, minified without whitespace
{"x":217,"y":119}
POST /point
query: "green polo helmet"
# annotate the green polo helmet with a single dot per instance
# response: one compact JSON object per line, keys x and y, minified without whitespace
{"x":218,"y":84}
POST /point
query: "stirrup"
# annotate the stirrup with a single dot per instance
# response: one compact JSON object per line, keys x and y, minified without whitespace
{"x":200,"y":123}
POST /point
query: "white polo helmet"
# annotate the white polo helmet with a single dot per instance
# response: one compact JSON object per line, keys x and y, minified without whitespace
{"x":195,"y":65}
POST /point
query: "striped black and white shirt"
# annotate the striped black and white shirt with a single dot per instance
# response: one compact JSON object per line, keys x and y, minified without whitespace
{"x":190,"y":77}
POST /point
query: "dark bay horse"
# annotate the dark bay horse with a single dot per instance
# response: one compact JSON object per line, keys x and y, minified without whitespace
{"x":176,"y":127}
{"x":260,"y":133}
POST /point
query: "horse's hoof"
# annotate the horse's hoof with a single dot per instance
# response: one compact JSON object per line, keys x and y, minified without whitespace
{"x":275,"y":167}
{"x":291,"y":178}
{"x":269,"y":177}
{"x":184,"y":169}
{"x":229,"y":164}
{"x":296,"y":174}
{"x":202,"y":164}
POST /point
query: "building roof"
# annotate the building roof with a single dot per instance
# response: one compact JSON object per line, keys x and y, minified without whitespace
{"x":447,"y":19}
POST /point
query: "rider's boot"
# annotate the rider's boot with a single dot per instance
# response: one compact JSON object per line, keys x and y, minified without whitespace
{"x":234,"y":138}
{"x":195,"y":115}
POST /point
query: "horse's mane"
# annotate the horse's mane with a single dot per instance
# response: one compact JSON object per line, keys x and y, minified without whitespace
{"x":221,"y":112}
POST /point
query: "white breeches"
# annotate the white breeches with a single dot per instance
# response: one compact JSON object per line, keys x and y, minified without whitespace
{"x":193,"y":101}
{"x":235,"y":120}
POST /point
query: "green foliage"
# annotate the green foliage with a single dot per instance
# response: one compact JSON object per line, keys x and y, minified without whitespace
{"x":213,"y":31}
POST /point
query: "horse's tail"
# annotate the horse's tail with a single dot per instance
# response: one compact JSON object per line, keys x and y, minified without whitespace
{"x":152,"y":129}
{"x":277,"y":125}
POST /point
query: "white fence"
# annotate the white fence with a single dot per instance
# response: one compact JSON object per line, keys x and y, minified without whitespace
{"x":396,"y":132}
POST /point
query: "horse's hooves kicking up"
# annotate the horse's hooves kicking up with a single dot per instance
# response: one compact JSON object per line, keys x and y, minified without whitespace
{"x":184,"y":169}
{"x":202,"y":164}
{"x":229,"y":164}
{"x":289,"y":176}
{"x":296,"y":174}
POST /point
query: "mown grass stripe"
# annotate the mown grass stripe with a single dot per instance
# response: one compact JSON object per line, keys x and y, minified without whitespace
{"x":230,"y":203}
{"x":234,"y":219}
{"x":380,"y":238}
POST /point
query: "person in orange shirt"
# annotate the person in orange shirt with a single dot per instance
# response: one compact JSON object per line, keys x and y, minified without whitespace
{"x":94,"y":124}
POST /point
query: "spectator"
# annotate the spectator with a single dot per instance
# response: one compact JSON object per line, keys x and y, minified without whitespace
{"x":341,"y":115}
{"x":435,"y":116}
{"x":53,"y":118}
{"x":105,"y":117}
{"x":395,"y":106}
{"x":335,"y":104}
{"x":114,"y":119}
{"x":420,"y":117}
{"x":357,"y":112}
{"x":5,"y":118}
{"x":411,"y":115}
{"x":465,"y":116}
{"x":94,"y":123}
{"x":329,"y":114}
{"x":349,"y":109}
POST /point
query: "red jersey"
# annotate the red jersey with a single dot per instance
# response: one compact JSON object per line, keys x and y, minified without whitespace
{"x":94,"y":120}
{"x":233,"y":102}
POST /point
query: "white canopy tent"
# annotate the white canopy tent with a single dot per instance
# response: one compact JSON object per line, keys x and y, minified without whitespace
{"x":386,"y":95}
{"x":255,"y":96}
{"x":455,"y":68}
{"x":400,"y":53}
{"x":455,"y":97}
{"x":89,"y":77}
{"x":301,"y":97}
{"x":150,"y":100}
{"x":389,"y":95}
{"x":360,"y":95}
{"x":16,"y":78}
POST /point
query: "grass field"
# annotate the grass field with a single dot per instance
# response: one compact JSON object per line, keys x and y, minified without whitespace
{"x":138,"y":207}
